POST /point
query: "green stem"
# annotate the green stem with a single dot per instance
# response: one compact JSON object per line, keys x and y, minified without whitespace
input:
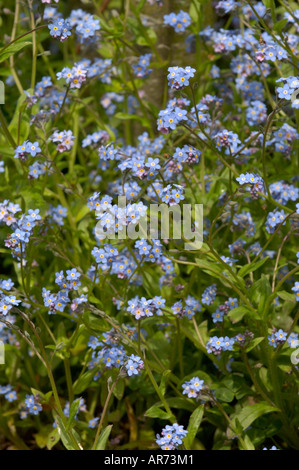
{"x":68,"y":377}
{"x":6,"y":132}
{"x":159,"y":393}
{"x":34,"y":45}
{"x":22,"y":36}
{"x":254,"y":381}
{"x":180,"y":348}
{"x":105,"y":409}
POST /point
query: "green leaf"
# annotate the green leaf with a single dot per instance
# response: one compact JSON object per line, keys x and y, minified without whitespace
{"x":260,"y":292}
{"x":12,"y":49}
{"x":91,"y":321}
{"x":103,"y":438}
{"x":94,"y":300}
{"x":140,"y":5}
{"x":248,"y":444}
{"x":224,"y":394}
{"x":247,"y":415}
{"x":43,"y":398}
{"x":181,"y":403}
{"x":67,"y":442}
{"x":53,"y":438}
{"x":126,"y":116}
{"x":41,"y":438}
{"x":20,"y":128}
{"x":148,"y":39}
{"x":193,"y":426}
{"x":216,"y":271}
{"x":279,"y":25}
{"x":72,"y":414}
{"x":82,"y":213}
{"x":251,"y":267}
{"x":156,"y":412}
{"x":119,"y":389}
{"x":270,"y":5}
{"x":83,"y":382}
{"x":33,"y":199}
{"x":37,"y":393}
{"x":283,"y":294}
{"x":164,"y":381}
{"x":236,"y":314}
{"x":173,"y":402}
{"x":264,"y":376}
{"x":254,"y":342}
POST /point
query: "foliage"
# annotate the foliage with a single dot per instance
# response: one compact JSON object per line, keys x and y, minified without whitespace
{"x":141,"y":341}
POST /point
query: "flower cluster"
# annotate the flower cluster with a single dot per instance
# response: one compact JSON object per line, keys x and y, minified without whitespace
{"x":178,"y":77}
{"x":193,"y":387}
{"x":283,"y":192}
{"x":227,"y":140}
{"x":60,"y":28}
{"x":141,"y":307}
{"x":31,"y":406}
{"x":256,"y":183}
{"x":224,"y":309}
{"x":110,"y":354}
{"x":22,"y":230}
{"x":8,"y":392}
{"x":170,"y":118}
{"x":171,"y":437}
{"x":27,"y":148}
{"x":112,"y":218}
{"x":273,"y":219}
{"x":134,"y":365}
{"x":209,"y":295}
{"x":67,"y":282}
{"x":217,"y":344}
{"x":186,"y":308}
{"x":64,"y":140}
{"x":279,"y":337}
{"x":179,"y":21}
{"x":141,"y":69}
{"x":289,"y":90}
{"x":74,"y":76}
{"x":296,"y":290}
{"x":86,"y":26}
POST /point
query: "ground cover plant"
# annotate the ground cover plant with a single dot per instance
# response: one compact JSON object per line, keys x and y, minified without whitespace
{"x":118,"y":119}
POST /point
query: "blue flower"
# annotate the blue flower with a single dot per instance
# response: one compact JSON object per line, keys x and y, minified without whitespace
{"x":31,"y":405}
{"x":134,"y":365}
{"x":209,"y":295}
{"x":72,"y":274}
{"x":60,"y":28}
{"x":193,"y":387}
{"x":272,"y":340}
{"x":293,"y":340}
{"x":93,"y":422}
{"x":296,"y":290}
{"x":33,"y":148}
{"x":171,"y":437}
{"x":179,"y":22}
{"x":178,"y":77}
{"x":11,"y":396}
{"x":284,"y":92}
{"x":218,"y":316}
{"x":141,"y":69}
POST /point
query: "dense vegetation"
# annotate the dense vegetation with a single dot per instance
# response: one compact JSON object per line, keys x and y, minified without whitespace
{"x":115,"y":336}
